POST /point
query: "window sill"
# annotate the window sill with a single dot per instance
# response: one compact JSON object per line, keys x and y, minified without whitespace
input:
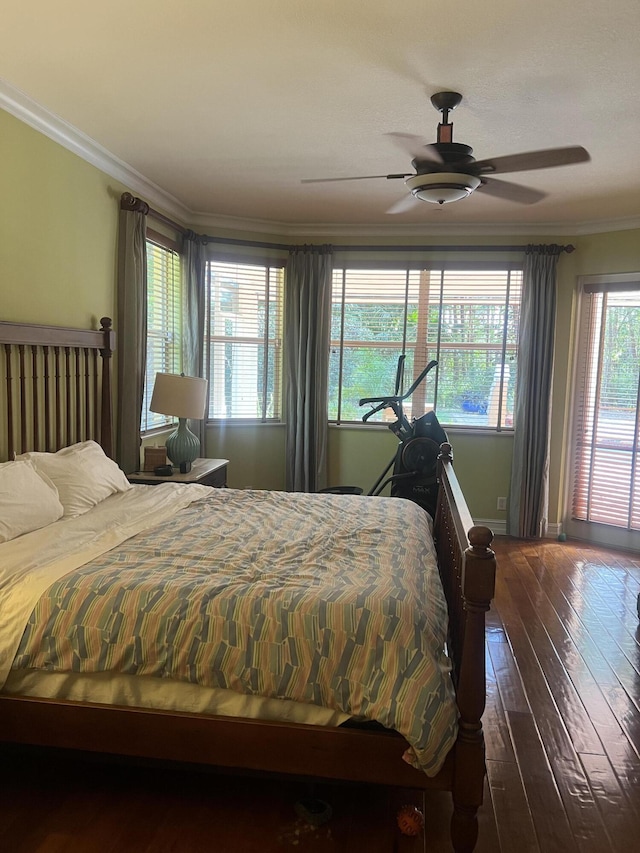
{"x":450,"y":430}
{"x":254,"y":422}
{"x":151,"y":433}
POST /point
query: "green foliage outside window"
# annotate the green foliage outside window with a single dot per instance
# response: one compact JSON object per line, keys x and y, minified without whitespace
{"x":467,"y":321}
{"x":164,"y":320}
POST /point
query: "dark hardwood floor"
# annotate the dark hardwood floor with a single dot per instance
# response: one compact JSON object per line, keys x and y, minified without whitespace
{"x":563,"y":741}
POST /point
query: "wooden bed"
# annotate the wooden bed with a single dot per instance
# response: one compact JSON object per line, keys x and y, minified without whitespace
{"x":57,"y":391}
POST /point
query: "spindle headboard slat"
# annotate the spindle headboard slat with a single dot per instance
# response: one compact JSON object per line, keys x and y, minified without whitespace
{"x":57,"y":387}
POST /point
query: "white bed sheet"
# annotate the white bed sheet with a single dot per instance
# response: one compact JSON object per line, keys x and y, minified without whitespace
{"x":140,"y":691}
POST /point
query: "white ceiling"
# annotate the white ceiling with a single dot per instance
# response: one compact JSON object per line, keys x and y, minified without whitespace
{"x":227,"y":106}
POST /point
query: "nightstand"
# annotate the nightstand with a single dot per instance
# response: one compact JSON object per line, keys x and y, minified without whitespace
{"x":205,"y":472}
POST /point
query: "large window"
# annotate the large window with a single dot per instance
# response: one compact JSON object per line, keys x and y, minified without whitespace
{"x":163,"y":324}
{"x":607,"y":410}
{"x":467,"y":320}
{"x":244,"y":340}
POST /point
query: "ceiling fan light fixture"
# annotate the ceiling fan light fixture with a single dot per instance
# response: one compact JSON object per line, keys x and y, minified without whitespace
{"x":442,"y":187}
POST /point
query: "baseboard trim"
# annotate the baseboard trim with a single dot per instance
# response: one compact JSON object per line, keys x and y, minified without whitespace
{"x":499,"y":527}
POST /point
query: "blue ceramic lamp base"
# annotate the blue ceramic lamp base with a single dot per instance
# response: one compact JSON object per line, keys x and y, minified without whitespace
{"x":183,"y":447}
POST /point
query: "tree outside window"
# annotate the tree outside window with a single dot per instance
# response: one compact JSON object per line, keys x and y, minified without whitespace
{"x":465,"y":319}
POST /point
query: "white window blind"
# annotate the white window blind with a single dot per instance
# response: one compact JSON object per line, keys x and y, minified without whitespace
{"x":467,"y":320}
{"x":606,"y":473}
{"x":163,"y":324}
{"x":244,"y":340}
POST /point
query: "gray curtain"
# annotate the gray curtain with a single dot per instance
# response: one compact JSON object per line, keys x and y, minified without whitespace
{"x":307,"y":338}
{"x":529,"y":489}
{"x":193,"y":290}
{"x":131,"y":328}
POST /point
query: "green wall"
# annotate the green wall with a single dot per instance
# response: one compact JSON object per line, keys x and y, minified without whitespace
{"x":255,"y":454}
{"x":58,"y":221}
{"x":358,"y":455}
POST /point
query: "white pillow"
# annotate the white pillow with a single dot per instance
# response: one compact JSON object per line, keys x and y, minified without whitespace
{"x":82,"y":474}
{"x":27,"y":501}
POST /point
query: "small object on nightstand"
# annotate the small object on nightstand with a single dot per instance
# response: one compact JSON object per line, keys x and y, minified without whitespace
{"x":185,"y":467}
{"x":410,"y":820}
{"x":163,"y":470}
{"x":153,"y":457}
{"x":205,"y":472}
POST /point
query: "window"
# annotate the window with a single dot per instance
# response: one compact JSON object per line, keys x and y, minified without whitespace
{"x":606,"y":481}
{"x":244,"y":340}
{"x":163,"y":324}
{"x":467,"y":320}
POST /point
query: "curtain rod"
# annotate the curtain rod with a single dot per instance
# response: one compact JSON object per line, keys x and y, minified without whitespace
{"x":415,"y":248}
{"x":130,"y":202}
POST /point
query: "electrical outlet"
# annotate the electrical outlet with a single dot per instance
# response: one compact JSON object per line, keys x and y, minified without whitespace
{"x":502,"y":503}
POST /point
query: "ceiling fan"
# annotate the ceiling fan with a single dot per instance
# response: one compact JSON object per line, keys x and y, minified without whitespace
{"x":447,"y":171}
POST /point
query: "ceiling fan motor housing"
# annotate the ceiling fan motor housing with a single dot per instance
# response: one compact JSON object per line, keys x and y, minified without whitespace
{"x":452,"y":154}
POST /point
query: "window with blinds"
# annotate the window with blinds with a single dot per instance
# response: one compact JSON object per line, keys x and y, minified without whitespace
{"x":467,"y":320}
{"x":163,"y":325}
{"x":244,"y":340}
{"x":606,"y":476}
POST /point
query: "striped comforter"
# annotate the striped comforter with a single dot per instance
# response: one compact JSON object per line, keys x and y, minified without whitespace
{"x":325,"y":599}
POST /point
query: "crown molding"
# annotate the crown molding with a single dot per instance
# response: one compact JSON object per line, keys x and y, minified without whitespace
{"x":583,"y":229}
{"x":20,"y":105}
{"x":201,"y":221}
{"x":24,"y":108}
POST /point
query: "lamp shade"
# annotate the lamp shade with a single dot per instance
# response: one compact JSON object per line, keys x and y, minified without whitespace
{"x":179,"y":395}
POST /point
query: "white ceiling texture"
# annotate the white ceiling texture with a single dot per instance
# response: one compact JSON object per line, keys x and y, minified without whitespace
{"x":222,"y":109}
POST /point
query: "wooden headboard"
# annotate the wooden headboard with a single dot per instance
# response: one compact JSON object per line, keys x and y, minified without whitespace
{"x":57,"y":387}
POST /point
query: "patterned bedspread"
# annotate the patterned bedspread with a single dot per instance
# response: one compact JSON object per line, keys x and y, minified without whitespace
{"x":325,"y":599}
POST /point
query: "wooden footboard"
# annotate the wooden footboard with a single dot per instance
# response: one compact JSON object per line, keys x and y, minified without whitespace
{"x":468,"y":570}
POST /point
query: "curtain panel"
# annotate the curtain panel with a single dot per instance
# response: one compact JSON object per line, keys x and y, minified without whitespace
{"x":306,"y":365}
{"x":193,"y":327}
{"x":131,"y":328}
{"x":529,"y":488}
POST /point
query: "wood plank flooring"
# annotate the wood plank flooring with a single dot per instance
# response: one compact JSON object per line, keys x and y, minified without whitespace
{"x":563,"y":744}
{"x":564,"y":697}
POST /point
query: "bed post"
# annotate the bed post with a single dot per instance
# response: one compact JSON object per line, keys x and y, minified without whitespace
{"x":478,"y":584}
{"x":106,"y":351}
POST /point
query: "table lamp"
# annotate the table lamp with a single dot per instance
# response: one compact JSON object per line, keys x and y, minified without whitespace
{"x":183,"y":397}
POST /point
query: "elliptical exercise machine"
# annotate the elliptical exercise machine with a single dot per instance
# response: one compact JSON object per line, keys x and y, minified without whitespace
{"x":414,"y":463}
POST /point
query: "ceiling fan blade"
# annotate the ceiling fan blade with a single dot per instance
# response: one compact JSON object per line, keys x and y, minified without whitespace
{"x":510,"y":191}
{"x":416,"y":146}
{"x":358,"y":178}
{"x":407,"y":202}
{"x":545,"y":159}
